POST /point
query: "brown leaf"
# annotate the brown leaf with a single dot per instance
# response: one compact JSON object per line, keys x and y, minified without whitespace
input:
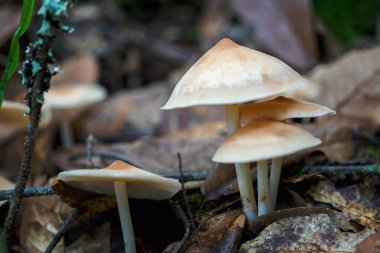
{"x":126,"y":114}
{"x":371,"y":244}
{"x":262,"y":16}
{"x":41,"y":219}
{"x":359,"y":200}
{"x":314,"y":233}
{"x":365,"y":103}
{"x":212,"y":233}
{"x":83,"y":68}
{"x":340,"y":79}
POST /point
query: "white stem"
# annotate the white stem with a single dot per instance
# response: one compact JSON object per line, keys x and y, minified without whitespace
{"x":243,"y":172}
{"x":262,"y":187}
{"x":125,"y":216}
{"x":275,"y":173}
{"x":66,"y":130}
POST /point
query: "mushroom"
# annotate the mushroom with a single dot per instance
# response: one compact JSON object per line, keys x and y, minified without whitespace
{"x":260,"y":140}
{"x":280,"y":108}
{"x":123,"y":180}
{"x":66,"y":97}
{"x":13,"y":121}
{"x":229,"y":74}
{"x":5,"y":184}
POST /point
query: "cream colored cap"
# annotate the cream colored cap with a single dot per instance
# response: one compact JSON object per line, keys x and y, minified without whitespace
{"x":282,"y":108}
{"x":71,"y":96}
{"x":230,"y":74}
{"x":141,"y":184}
{"x":264,"y":139}
{"x":13,"y":113}
{"x":5,"y":184}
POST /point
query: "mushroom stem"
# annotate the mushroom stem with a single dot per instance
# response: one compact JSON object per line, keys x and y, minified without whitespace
{"x":274,"y":181}
{"x":125,"y":216}
{"x":262,"y":187}
{"x":66,"y":131}
{"x":243,"y":172}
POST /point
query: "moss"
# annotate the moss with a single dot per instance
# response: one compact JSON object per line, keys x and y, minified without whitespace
{"x":195,"y":200}
{"x":348,"y":19}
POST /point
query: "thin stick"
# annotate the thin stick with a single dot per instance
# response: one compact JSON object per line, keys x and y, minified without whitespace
{"x":186,"y":238}
{"x":90,"y":140}
{"x":185,"y":199}
{"x":30,"y":136}
{"x":37,"y":74}
{"x":28,"y":192}
{"x":62,"y":230}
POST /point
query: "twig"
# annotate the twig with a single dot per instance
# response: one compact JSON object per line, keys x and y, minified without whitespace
{"x":233,"y":235}
{"x":90,"y":140}
{"x":36,"y":78}
{"x":28,"y":192}
{"x":260,"y":223}
{"x":343,"y":170}
{"x":186,"y":238}
{"x":185,"y":199}
{"x":109,"y":155}
{"x":62,"y":230}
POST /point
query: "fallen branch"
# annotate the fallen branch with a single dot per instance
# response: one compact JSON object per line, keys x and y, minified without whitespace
{"x":36,"y":78}
{"x":62,"y":230}
{"x":28,"y":192}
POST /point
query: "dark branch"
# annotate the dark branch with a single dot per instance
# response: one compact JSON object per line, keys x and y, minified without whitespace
{"x":28,"y":192}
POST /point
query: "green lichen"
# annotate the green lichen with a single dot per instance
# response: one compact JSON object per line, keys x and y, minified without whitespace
{"x":51,"y":10}
{"x":40,"y":100}
{"x":54,"y":7}
{"x":35,"y":67}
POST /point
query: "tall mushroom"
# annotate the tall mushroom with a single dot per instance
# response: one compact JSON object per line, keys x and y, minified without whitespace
{"x":123,"y":180}
{"x":280,"y":108}
{"x":229,"y":74}
{"x":66,"y":97}
{"x":260,"y":140}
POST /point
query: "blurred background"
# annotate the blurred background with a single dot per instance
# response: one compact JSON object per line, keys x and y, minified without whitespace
{"x":137,"y":50}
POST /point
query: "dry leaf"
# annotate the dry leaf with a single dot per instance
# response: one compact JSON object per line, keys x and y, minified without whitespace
{"x":79,"y":69}
{"x":40,"y":221}
{"x":126,"y":114}
{"x":315,"y":233}
{"x":359,"y":200}
{"x":262,"y":16}
{"x":371,"y":244}
{"x":341,"y":78}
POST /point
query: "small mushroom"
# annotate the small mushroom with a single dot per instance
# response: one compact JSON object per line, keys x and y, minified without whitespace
{"x":123,"y":180}
{"x":229,"y":74}
{"x":66,"y":97}
{"x":260,"y":140}
{"x":280,"y":108}
{"x":13,"y":121}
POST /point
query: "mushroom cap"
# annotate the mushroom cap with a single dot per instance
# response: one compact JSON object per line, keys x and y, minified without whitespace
{"x":282,"y":108}
{"x":71,"y":96}
{"x":264,"y":139}
{"x":13,"y":114}
{"x":230,"y":74}
{"x":140,"y":184}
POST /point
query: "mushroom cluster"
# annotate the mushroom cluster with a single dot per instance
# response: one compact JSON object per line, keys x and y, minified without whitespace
{"x":232,"y":75}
